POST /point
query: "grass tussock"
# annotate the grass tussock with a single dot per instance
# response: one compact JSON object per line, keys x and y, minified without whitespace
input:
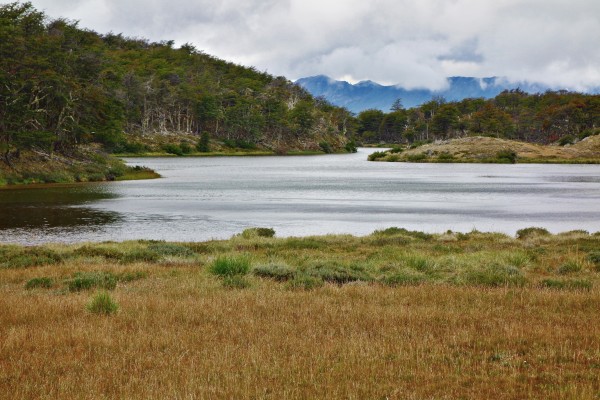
{"x":467,"y":315}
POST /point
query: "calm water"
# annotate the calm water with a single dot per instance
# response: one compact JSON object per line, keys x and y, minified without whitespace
{"x":204,"y":198}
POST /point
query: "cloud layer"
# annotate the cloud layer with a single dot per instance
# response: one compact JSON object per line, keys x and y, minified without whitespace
{"x":407,"y":42}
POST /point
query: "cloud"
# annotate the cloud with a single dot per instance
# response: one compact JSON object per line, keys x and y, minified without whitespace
{"x":406,"y":42}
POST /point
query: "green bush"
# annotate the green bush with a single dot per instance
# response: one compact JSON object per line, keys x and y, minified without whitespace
{"x":509,"y":156}
{"x":173,"y":149}
{"x":396,"y":149}
{"x":230,"y":266}
{"x":445,"y":157}
{"x":532,"y":232}
{"x":185,"y":148}
{"x":376,"y":155}
{"x":260,"y":232}
{"x":276,"y":271}
{"x":203,"y":145}
{"x":404,"y":232}
{"x":44,"y":283}
{"x":325,"y":147}
{"x":89,"y":280}
{"x":102,"y":303}
{"x":351,"y":147}
{"x":569,"y":267}
{"x":565,"y":140}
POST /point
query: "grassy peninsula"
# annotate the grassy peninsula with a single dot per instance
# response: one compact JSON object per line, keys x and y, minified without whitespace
{"x":479,"y":149}
{"x":396,"y":314}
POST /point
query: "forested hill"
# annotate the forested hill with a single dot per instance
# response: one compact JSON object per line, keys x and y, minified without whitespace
{"x":61,"y":85}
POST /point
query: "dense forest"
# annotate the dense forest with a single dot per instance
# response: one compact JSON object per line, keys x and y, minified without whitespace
{"x":544,"y":118}
{"x":61,"y":85}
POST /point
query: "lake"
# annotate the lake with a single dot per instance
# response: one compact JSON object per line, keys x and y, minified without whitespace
{"x":204,"y":198}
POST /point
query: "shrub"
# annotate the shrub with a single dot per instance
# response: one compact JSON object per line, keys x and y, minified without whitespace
{"x":260,"y":232}
{"x":88,"y":280}
{"x":236,"y":282}
{"x":509,"y":156}
{"x":203,"y":145}
{"x":402,"y":231}
{"x":416,"y":157}
{"x":376,"y":155}
{"x":531,"y":232}
{"x":185,"y":148}
{"x":278,"y":272}
{"x":326,"y":147}
{"x":305,"y":282}
{"x":230,"y":266}
{"x":173,"y":149}
{"x":44,"y":283}
{"x":565,"y":140}
{"x":396,"y":149}
{"x":351,"y":147}
{"x":571,"y":284}
{"x":393,"y":158}
{"x":569,"y":267}
{"x":102,"y":303}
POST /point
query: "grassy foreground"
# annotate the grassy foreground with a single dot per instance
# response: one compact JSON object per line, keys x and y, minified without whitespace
{"x":397,"y":314}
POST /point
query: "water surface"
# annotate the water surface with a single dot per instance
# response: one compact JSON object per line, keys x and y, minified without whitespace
{"x":204,"y":198}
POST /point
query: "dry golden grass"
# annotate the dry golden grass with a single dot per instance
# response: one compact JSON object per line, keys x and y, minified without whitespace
{"x":180,"y":334}
{"x":487,"y":148}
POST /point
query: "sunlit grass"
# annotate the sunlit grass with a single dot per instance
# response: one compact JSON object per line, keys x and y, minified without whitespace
{"x":396,"y":314}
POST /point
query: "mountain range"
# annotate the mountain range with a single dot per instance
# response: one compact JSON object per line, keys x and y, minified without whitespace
{"x":372,"y":95}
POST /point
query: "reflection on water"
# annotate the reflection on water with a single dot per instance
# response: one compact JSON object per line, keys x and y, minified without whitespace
{"x":43,"y":207}
{"x":204,"y":198}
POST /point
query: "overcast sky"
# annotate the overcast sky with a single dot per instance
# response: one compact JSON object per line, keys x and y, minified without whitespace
{"x":414,"y":43}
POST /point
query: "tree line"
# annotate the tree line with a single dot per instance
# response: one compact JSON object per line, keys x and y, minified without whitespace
{"x":61,"y":86}
{"x":542,"y":118}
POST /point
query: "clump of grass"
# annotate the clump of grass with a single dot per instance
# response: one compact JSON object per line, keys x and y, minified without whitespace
{"x":170,"y":249}
{"x":569,"y":267}
{"x":25,"y":257}
{"x":89,"y":280}
{"x":405,"y":278}
{"x":126,"y":255}
{"x":236,"y":282}
{"x":102,"y":303}
{"x":394,"y":231}
{"x":336,"y":273}
{"x":258,"y":232}
{"x":416,"y":157}
{"x":131,"y":276}
{"x":594,"y":258}
{"x":230,"y":266}
{"x":277,"y":271}
{"x":532,"y":232}
{"x":376,"y":155}
{"x":568,"y":284}
{"x":305,"y":282}
{"x":43,"y":283}
{"x":494,"y":276}
{"x":302,"y":243}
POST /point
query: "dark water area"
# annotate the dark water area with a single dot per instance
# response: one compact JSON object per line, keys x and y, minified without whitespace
{"x":204,"y":198}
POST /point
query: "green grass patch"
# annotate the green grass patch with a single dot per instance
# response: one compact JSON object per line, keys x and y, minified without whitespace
{"x":102,"y":303}
{"x":25,"y":257}
{"x":230,"y":266}
{"x":90,"y":280}
{"x":39,"y":283}
{"x":277,"y":271}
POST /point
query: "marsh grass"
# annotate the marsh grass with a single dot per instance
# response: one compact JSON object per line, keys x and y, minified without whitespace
{"x":42,"y":283}
{"x":102,"y":303}
{"x":456,"y":315}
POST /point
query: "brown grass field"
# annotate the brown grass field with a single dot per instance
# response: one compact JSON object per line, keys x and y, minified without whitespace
{"x":393,"y":315}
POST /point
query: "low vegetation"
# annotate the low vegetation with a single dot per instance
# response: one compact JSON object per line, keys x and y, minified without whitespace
{"x":494,"y":150}
{"x":469,"y":315}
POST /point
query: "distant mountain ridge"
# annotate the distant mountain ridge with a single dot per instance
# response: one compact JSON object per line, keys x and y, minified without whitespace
{"x":368,"y":94}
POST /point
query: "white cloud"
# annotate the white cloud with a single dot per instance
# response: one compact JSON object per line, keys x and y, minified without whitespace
{"x":409,"y":42}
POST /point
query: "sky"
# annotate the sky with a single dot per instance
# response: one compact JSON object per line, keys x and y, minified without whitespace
{"x":411,"y":43}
